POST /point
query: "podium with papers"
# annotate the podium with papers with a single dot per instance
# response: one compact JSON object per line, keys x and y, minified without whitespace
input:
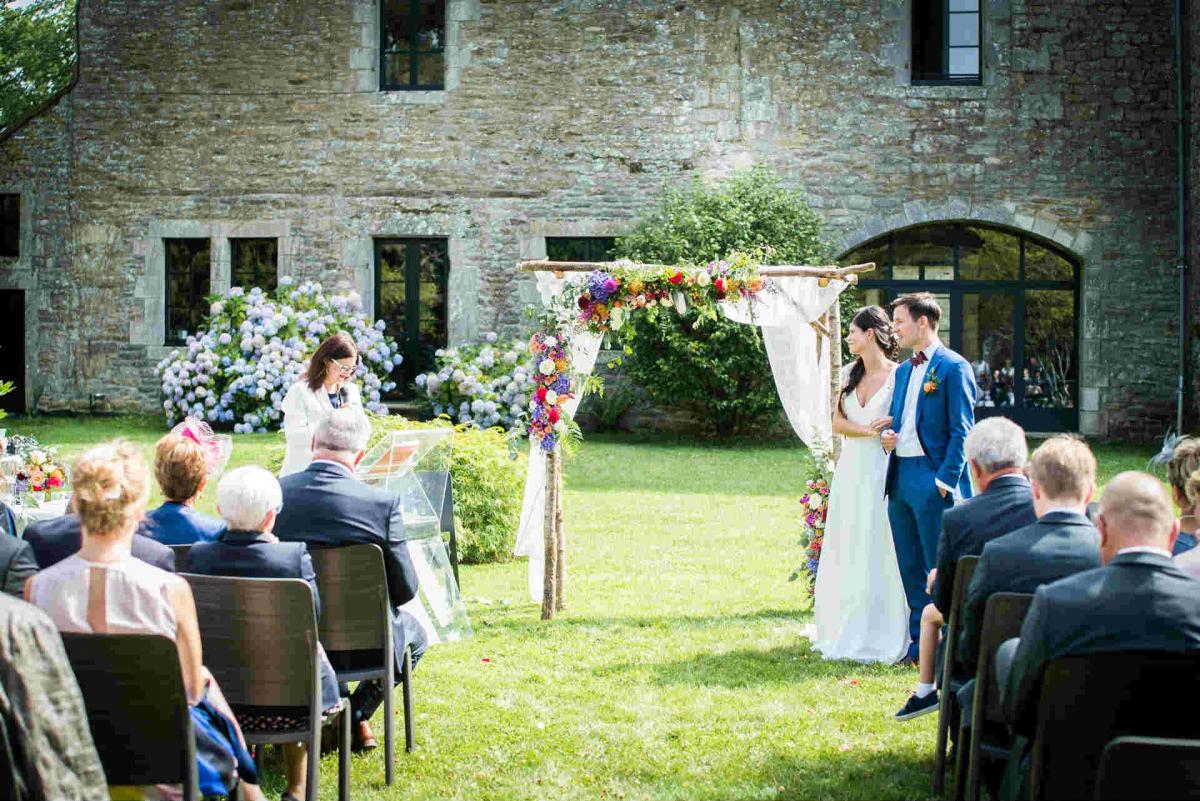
{"x":414,"y":465}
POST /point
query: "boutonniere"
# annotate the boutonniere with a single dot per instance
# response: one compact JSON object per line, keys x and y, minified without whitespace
{"x":932,"y":382}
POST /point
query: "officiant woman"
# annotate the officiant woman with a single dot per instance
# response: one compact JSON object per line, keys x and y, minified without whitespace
{"x":326,"y":385}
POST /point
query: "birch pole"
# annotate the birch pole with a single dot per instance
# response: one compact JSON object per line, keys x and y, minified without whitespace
{"x":550,"y":571}
{"x":560,"y":598}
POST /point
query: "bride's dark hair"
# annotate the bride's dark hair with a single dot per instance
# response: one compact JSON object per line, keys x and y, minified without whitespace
{"x":872,"y":320}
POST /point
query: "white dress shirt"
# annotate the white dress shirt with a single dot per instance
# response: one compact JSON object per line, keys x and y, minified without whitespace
{"x":908,"y":444}
{"x":1145,"y":549}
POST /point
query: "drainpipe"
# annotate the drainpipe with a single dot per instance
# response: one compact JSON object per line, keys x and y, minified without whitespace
{"x":1181,"y":132}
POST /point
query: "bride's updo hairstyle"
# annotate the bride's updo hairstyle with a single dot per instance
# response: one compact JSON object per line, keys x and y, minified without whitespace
{"x":872,"y":320}
{"x":110,"y":485}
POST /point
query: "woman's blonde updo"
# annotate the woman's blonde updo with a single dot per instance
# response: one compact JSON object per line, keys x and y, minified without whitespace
{"x":1192,"y":491}
{"x":110,"y":487}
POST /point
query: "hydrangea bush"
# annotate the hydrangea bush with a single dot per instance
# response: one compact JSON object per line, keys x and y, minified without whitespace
{"x":254,"y":346}
{"x":487,"y":384}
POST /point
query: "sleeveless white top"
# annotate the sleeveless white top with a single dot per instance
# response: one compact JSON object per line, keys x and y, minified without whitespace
{"x":126,"y":597}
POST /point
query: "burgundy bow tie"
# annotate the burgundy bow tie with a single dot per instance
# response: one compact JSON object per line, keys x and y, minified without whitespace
{"x":918,"y":359}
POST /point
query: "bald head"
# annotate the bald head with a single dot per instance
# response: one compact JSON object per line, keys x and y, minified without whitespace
{"x":1135,"y":511}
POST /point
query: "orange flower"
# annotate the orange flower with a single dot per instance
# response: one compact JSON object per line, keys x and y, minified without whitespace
{"x":754,"y":284}
{"x":560,"y":365}
{"x":929,"y":387}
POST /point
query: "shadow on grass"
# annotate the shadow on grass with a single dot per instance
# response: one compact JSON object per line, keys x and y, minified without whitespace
{"x":523,"y":619}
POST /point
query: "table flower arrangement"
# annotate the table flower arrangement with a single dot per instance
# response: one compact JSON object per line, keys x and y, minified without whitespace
{"x":253,"y":346}
{"x":41,"y":471}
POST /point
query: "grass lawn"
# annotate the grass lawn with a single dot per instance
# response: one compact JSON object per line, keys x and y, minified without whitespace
{"x":678,"y":670}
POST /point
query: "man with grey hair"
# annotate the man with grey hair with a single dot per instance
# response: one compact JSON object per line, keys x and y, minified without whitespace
{"x":995,"y":451}
{"x":325,"y":506}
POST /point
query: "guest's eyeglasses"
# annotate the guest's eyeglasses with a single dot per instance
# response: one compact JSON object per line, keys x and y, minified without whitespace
{"x":343,"y":368}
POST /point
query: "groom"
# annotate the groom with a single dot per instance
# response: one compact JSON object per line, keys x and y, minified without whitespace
{"x":933,"y":408}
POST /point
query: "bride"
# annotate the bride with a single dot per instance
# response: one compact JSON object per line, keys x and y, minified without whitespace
{"x":860,"y":610}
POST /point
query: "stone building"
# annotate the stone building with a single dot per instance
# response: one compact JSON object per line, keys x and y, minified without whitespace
{"x":1017,"y":157}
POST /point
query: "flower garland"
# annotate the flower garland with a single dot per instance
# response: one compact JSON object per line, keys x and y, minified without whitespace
{"x":814,"y":506}
{"x":601,"y":303}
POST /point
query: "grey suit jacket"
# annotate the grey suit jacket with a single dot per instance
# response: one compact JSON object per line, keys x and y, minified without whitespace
{"x":1139,"y":602}
{"x":17,"y":563}
{"x":1058,"y":545}
{"x":1006,"y":506}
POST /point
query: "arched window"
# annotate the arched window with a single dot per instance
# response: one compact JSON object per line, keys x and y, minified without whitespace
{"x":1009,"y":303}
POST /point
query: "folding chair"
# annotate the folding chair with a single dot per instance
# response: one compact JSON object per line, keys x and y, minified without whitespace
{"x":181,"y":556}
{"x":356,"y":629}
{"x":137,"y":708}
{"x":1087,"y":701}
{"x":1149,"y":767}
{"x":1002,"y":619}
{"x":948,"y":705}
{"x":259,"y":638}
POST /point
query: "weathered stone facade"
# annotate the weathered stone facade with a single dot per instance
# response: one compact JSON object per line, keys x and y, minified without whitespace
{"x":207,"y":118}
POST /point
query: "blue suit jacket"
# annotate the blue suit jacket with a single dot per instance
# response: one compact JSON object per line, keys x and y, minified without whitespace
{"x":176,"y":524}
{"x":55,"y":539}
{"x":944,"y":416}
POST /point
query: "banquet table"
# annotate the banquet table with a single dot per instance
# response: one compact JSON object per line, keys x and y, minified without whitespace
{"x":29,"y":513}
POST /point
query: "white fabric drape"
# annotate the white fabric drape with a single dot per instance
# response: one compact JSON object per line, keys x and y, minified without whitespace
{"x":799,"y":363}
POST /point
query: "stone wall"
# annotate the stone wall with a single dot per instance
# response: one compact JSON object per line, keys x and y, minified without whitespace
{"x":571,"y":117}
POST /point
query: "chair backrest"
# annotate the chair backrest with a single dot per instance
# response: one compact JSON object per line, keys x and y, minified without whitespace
{"x":181,"y":555}
{"x":964,"y":571}
{"x":355,"y":610}
{"x":1149,"y":767}
{"x":1002,"y":619}
{"x":259,"y":638}
{"x":137,"y":706}
{"x":1087,"y":701}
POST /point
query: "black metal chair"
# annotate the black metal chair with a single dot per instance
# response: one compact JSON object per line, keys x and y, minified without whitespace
{"x":951,"y":670}
{"x":1087,"y":701}
{"x":181,"y":556}
{"x":435,"y":482}
{"x":137,"y":708}
{"x":356,"y":630}
{"x":1134,"y":768}
{"x":259,"y":638}
{"x":988,"y":733}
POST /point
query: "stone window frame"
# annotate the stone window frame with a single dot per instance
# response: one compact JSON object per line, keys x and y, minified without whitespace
{"x":946,"y":78}
{"x":995,"y":52}
{"x":413,"y":61}
{"x":365,"y":56}
{"x":151,"y":329}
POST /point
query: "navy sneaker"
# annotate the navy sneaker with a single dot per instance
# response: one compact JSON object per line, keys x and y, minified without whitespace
{"x":918,"y":706}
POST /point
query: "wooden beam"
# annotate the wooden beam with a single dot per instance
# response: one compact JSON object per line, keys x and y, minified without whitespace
{"x":832,"y":271}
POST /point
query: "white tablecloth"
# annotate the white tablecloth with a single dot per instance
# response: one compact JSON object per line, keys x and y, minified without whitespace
{"x":29,"y":514}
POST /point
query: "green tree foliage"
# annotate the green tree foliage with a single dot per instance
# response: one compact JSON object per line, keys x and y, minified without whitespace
{"x":721,"y":366}
{"x":37,"y":54}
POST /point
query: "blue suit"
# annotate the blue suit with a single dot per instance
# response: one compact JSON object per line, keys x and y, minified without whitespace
{"x":176,"y":524}
{"x":915,"y":506}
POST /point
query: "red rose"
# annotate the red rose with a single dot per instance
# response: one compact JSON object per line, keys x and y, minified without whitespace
{"x":677,"y":278}
{"x":553,"y":416}
{"x":719,"y":286}
{"x":584,"y":301}
{"x":541,"y":394}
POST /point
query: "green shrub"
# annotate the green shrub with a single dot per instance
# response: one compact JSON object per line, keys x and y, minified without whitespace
{"x":722,"y":366}
{"x":488,"y":486}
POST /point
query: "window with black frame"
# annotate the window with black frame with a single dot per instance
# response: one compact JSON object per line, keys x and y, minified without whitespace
{"x":412,"y":299}
{"x":188,"y":268}
{"x":580,"y":248}
{"x":10,"y":225}
{"x":254,"y":262}
{"x":412,"y":44}
{"x":946,"y":38}
{"x":1009,"y":306}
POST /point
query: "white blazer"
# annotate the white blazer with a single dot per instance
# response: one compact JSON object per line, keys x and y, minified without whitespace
{"x":303,"y":411}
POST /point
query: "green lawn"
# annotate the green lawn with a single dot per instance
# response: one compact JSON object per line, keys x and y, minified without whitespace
{"x":678,"y":669}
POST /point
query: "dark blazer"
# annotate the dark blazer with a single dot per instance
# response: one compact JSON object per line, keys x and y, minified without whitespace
{"x":1139,"y":602}
{"x":249,"y":554}
{"x":1058,"y":545}
{"x":17,"y":564}
{"x":326,"y":507}
{"x":1005,"y":506}
{"x":55,"y":539}
{"x":176,"y":524}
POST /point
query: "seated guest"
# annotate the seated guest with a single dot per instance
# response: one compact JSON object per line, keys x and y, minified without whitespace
{"x":1140,"y":601}
{"x":55,"y":539}
{"x":996,"y":451}
{"x":1189,"y":561}
{"x":327,"y":507}
{"x":104,"y":589}
{"x":1062,"y":542}
{"x":181,"y":469}
{"x":17,"y":563}
{"x":1185,"y":460}
{"x":249,"y":498}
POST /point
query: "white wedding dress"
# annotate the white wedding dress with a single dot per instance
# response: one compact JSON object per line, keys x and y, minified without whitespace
{"x":859,"y":610}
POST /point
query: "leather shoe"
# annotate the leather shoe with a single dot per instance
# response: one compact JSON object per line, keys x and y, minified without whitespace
{"x":907,"y":661}
{"x":363,"y":739}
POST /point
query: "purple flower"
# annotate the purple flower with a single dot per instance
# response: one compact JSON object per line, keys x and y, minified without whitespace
{"x":548,"y":443}
{"x":563,"y":384}
{"x":601,"y":286}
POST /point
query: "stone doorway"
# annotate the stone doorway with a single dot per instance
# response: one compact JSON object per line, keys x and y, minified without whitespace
{"x":12,"y":349}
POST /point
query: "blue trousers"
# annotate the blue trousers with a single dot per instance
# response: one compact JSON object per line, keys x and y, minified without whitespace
{"x":915,"y":510}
